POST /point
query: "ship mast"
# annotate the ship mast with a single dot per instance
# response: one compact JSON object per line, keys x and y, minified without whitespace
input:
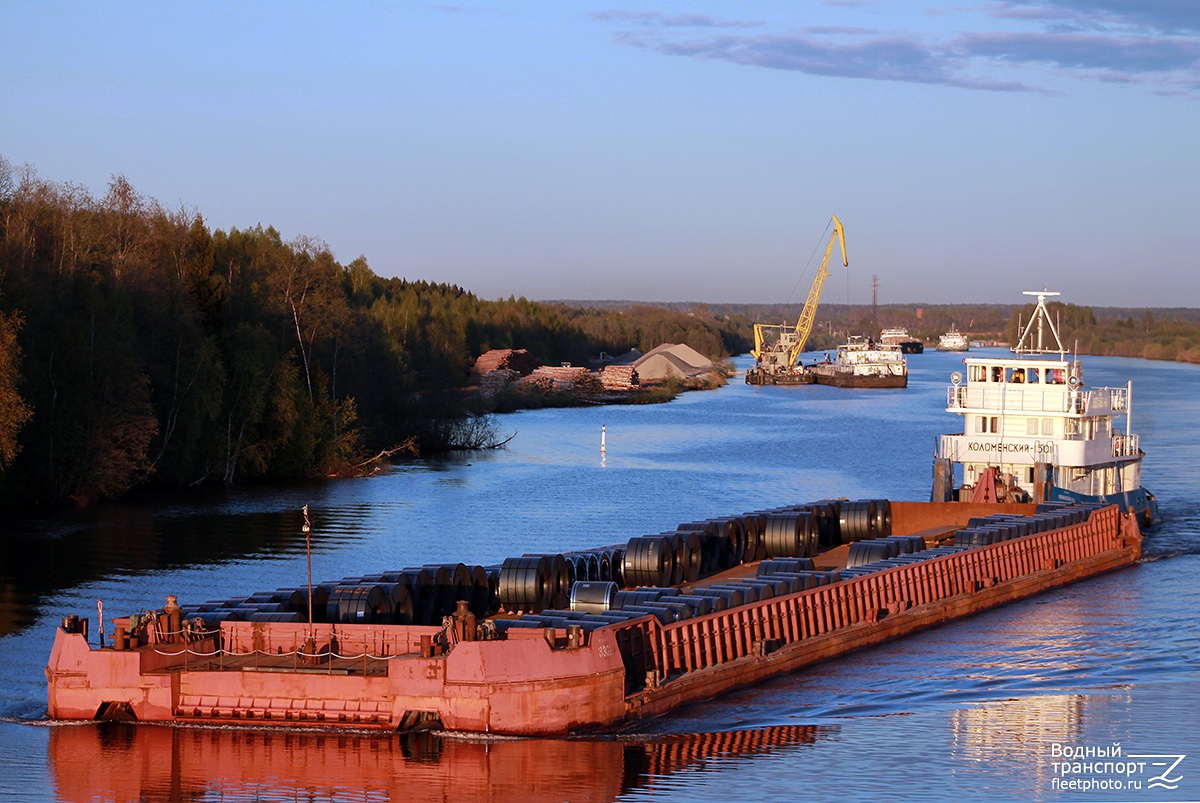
{"x":1041,"y":316}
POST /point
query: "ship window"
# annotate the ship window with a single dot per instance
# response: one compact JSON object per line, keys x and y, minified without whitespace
{"x":981,"y":424}
{"x":1072,"y":426}
{"x":1016,"y":375}
{"x":977,"y":373}
{"x":997,"y":373}
{"x":1047,"y":426}
{"x":1031,"y":474}
{"x":1055,"y":376}
{"x":1031,"y":426}
{"x":995,"y":422}
{"x":1033,"y":375}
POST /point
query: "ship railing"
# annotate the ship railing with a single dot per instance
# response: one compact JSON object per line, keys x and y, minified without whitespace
{"x":655,"y":654}
{"x":1125,"y":445}
{"x":1050,"y":399}
{"x":1113,"y":400}
{"x":338,"y":647}
{"x":1018,"y":399}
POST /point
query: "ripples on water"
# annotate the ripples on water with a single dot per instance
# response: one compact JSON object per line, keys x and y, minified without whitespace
{"x":968,"y":708}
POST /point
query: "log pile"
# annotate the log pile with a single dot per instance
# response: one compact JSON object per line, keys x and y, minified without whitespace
{"x":619,"y":377}
{"x":519,"y":360}
{"x":570,"y":379}
{"x":534,"y":383}
{"x":493,"y":382}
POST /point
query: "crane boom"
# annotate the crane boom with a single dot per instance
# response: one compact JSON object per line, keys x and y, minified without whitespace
{"x":809,"y":314}
{"x":777,"y":358}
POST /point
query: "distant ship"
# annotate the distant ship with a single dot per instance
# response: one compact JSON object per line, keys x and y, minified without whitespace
{"x":863,"y":363}
{"x":899,"y":336}
{"x":954,"y":340}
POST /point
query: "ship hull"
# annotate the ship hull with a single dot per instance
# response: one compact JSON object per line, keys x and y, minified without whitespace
{"x":848,"y":379}
{"x":554,"y":681}
{"x":798,"y":376}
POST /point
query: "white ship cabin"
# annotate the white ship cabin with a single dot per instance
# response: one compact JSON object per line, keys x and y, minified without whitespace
{"x":1033,"y":408}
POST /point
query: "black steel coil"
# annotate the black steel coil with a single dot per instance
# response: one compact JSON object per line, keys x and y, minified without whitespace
{"x":732,"y":597}
{"x":753,"y":524}
{"x":731,"y":534}
{"x":790,"y":535}
{"x":828,"y":513}
{"x":664,"y":615}
{"x":699,"y":605}
{"x":749,"y":593}
{"x":638,"y":596}
{"x":526,"y":583}
{"x":616,"y":566}
{"x":359,"y":605}
{"x":675,"y":557}
{"x":857,"y":521}
{"x":768,"y":587}
{"x":710,"y":545}
{"x":401,"y":602}
{"x":864,"y":552}
{"x":560,"y":576}
{"x":908,"y":543}
{"x":649,"y":561}
{"x":717,"y":601}
{"x":883,"y":518}
{"x":689,"y":557}
{"x":278,"y":616}
{"x":605,"y":565}
{"x":773,"y":566}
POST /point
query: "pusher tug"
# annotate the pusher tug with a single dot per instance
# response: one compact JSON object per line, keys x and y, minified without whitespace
{"x":1029,"y":422}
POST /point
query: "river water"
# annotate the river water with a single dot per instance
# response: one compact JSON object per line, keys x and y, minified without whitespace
{"x":981,"y":708}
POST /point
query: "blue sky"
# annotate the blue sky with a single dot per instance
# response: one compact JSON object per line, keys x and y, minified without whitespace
{"x":649,"y":150}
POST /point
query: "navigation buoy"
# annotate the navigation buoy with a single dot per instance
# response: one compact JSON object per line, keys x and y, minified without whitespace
{"x":602,"y":434}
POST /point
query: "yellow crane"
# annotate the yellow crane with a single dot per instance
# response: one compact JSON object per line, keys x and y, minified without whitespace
{"x":775,"y":358}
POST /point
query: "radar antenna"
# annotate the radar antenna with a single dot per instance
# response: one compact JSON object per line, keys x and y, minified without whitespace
{"x":1041,"y":316}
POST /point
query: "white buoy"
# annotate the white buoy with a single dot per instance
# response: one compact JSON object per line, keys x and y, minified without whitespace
{"x":602,"y":434}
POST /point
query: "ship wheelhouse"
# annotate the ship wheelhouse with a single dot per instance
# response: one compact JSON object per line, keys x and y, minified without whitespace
{"x":1030,"y":417}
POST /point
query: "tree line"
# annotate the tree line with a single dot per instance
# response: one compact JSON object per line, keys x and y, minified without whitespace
{"x":139,"y":347}
{"x":1151,"y":337}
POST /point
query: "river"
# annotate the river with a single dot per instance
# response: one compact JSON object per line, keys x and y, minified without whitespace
{"x":981,"y":708}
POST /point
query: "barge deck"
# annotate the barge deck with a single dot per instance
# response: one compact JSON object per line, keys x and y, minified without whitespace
{"x":554,"y":672}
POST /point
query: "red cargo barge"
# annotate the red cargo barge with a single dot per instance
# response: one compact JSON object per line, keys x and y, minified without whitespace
{"x":469,"y":675}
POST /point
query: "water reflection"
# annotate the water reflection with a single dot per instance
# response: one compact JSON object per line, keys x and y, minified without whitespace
{"x":43,"y":555}
{"x":119,"y":763}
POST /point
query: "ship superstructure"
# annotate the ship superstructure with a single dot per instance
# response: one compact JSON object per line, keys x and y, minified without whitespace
{"x":863,"y":363}
{"x":954,"y":340}
{"x":1032,"y":429}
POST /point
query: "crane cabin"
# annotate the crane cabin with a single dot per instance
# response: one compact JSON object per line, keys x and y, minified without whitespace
{"x":1033,"y":430}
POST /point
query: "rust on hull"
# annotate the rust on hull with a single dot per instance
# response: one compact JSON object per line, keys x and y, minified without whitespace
{"x":551,"y":681}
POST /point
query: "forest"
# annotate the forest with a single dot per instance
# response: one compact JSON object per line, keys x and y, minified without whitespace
{"x":138,"y":347}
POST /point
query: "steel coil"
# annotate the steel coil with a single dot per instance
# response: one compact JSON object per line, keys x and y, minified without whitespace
{"x":358,"y":604}
{"x":649,"y":561}
{"x":790,"y":535}
{"x":864,"y":552}
{"x":593,"y":596}
{"x":526,"y":583}
{"x":857,"y":521}
{"x":731,"y":597}
{"x":752,"y":525}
